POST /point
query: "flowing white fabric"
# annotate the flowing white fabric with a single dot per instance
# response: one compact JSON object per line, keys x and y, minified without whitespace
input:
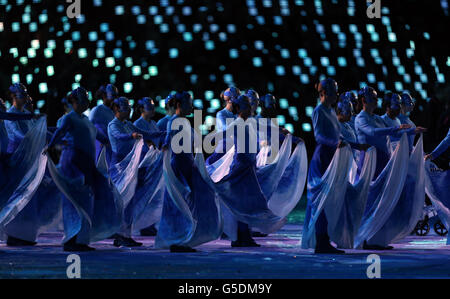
{"x":328,"y":193}
{"x":348,"y":220}
{"x":24,"y":172}
{"x":125,"y":173}
{"x":99,"y":206}
{"x":384,"y":194}
{"x":199,"y":208}
{"x":154,"y":190}
{"x":437,"y":187}
{"x":409,"y":207}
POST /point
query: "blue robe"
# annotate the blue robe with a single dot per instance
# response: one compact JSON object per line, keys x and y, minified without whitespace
{"x":21,"y":172}
{"x":191,"y":213}
{"x":151,"y":182}
{"x":162,"y":123}
{"x":221,"y":126}
{"x":91,"y":204}
{"x":437,"y":184}
{"x":101,"y":116}
{"x":124,"y":170}
{"x":42,"y":212}
{"x":327,"y":130}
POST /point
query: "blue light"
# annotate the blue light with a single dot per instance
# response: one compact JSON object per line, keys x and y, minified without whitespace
{"x":399,"y":86}
{"x":306,"y":127}
{"x":257,"y":62}
{"x":209,"y":45}
{"x":173,"y":53}
{"x":187,"y":36}
{"x":324,"y":61}
{"x":93,"y":36}
{"x":234,"y":53}
{"x":127,"y":87}
{"x":120,"y":10}
{"x":342,"y":61}
{"x":302,"y":53}
{"x":280,"y":70}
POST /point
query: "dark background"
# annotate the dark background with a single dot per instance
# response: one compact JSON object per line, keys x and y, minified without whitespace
{"x":425,"y":23}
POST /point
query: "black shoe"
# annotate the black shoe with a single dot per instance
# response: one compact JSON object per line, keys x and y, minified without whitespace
{"x":376,"y":247}
{"x":177,"y":248}
{"x":77,"y":247}
{"x":150,"y":231}
{"x":126,"y":242}
{"x":11,"y":241}
{"x":327,"y":248}
{"x":259,"y":235}
{"x":248,"y":243}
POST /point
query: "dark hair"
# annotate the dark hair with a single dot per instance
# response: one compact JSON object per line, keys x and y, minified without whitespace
{"x":101,"y":91}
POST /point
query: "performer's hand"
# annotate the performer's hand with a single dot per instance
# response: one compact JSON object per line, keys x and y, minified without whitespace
{"x":364,"y":147}
{"x":136,"y":135}
{"x":420,"y":130}
{"x":404,"y":127}
{"x":428,"y":157}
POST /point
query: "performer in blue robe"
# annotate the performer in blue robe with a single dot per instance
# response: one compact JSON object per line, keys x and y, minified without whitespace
{"x":371,"y":129}
{"x":101,"y":116}
{"x":242,"y":179}
{"x":150,"y":174}
{"x":390,"y":118}
{"x":91,"y":204}
{"x":223,"y":118}
{"x":191,"y":212}
{"x":169,"y":105}
{"x":124,"y":166}
{"x":254,"y":101}
{"x":20,"y":172}
{"x":437,"y":182}
{"x":42,"y":210}
{"x":406,"y":107}
{"x":327,"y":134}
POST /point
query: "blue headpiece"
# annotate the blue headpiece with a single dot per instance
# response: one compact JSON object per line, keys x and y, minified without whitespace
{"x":253,"y":96}
{"x":268,"y":101}
{"x":232,"y":92}
{"x":349,"y":96}
{"x":328,"y":85}
{"x":243,"y":102}
{"x":168,"y":98}
{"x":80,"y":94}
{"x":183,"y":96}
{"x":368,"y":93}
{"x":123,"y":104}
{"x":111,"y":92}
{"x":406,"y":99}
{"x":19,"y":90}
{"x":147,"y":103}
{"x":393,"y":101}
{"x":345,"y":106}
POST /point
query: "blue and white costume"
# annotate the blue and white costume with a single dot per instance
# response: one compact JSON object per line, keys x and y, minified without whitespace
{"x":91,"y":204}
{"x":390,"y":176}
{"x":437,"y":184}
{"x":191,"y":212}
{"x":125,"y":161}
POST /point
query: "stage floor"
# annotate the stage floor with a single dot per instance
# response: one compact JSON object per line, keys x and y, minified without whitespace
{"x":279,"y":257}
